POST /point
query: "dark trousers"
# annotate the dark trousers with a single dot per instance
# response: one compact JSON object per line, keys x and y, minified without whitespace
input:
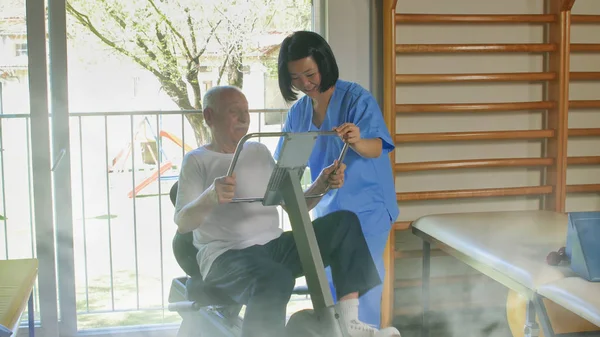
{"x":263,"y":277}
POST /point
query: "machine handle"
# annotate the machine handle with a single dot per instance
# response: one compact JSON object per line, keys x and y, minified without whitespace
{"x":184,"y":306}
{"x":244,"y":139}
{"x":340,"y":159}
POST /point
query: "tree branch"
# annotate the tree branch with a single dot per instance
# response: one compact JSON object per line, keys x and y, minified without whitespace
{"x":194,"y":63}
{"x":178,"y":95}
{"x":170,"y":25}
{"x":192,"y":69}
{"x":86,"y":22}
{"x":140,"y":43}
{"x":272,"y":15}
{"x":163,"y":46}
{"x":192,"y":29}
{"x":224,"y":65}
{"x":192,"y":78}
{"x":210,"y":36}
{"x":170,"y":68}
{"x":122,"y":22}
{"x":217,"y":9}
{"x":114,"y":15}
{"x":222,"y":69}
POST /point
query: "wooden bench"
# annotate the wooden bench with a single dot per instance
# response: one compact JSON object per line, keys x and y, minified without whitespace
{"x":511,"y":248}
{"x":17,"y":278}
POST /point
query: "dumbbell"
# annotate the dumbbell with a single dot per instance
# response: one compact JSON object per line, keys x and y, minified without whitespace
{"x":555,"y":258}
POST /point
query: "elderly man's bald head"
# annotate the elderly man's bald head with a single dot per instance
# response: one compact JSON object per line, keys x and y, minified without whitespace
{"x":216,"y":97}
{"x":226,"y":114}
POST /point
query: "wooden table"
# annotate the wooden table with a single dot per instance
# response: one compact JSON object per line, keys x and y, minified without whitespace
{"x":17,"y":278}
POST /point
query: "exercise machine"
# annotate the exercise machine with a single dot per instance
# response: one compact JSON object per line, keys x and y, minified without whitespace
{"x":208,"y":312}
{"x":205,"y":311}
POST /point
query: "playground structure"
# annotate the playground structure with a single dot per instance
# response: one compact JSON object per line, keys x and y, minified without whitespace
{"x":152,"y":154}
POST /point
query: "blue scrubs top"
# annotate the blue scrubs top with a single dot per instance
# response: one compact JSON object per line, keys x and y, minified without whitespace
{"x":369,"y":184}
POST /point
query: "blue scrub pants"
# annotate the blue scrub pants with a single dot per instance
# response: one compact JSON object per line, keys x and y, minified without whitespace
{"x":369,"y":307}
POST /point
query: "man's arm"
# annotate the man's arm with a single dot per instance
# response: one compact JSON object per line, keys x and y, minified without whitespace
{"x":332,"y":177}
{"x":194,"y":203}
{"x":318,"y":187}
{"x":193,"y":214}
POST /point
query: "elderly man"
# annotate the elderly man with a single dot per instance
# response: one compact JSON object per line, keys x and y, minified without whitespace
{"x":241,"y":248}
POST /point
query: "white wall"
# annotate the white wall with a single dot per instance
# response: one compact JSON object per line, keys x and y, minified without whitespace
{"x":348,"y":33}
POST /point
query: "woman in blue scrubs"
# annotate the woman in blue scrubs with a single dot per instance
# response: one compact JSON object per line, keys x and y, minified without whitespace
{"x":307,"y":64}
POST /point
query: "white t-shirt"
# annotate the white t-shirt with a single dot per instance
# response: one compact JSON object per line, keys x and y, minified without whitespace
{"x":233,"y":225}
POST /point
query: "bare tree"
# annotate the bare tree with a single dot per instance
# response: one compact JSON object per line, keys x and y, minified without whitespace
{"x":145,"y":32}
{"x":170,"y":38}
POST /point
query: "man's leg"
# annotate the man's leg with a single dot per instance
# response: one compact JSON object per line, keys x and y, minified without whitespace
{"x":347,"y":254}
{"x":343,"y":248}
{"x":370,"y":303}
{"x":251,"y":277}
{"x":353,"y":251}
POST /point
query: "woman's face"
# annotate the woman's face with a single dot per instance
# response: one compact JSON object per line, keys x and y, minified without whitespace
{"x":305,"y":76}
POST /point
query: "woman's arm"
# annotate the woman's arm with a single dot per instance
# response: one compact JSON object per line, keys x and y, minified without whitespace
{"x":365,"y":128}
{"x":368,"y":147}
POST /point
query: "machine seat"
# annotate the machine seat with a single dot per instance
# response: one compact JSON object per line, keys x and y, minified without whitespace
{"x":195,"y":290}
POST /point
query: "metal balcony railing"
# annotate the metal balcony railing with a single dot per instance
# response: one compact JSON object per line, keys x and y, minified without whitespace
{"x":122,"y":167}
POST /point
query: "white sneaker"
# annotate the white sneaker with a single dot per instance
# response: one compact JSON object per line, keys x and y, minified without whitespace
{"x":388,"y":332}
{"x":357,"y":328}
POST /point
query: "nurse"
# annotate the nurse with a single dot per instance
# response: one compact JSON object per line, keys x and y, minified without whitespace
{"x":306,"y":64}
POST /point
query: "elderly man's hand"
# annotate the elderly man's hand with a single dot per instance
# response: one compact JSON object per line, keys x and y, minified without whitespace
{"x":333,"y":175}
{"x":225,"y":189}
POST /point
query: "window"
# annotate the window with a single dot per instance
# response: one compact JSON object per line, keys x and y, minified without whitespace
{"x":20,"y":49}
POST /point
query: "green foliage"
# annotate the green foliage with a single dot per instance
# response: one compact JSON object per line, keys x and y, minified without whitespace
{"x":270,"y":63}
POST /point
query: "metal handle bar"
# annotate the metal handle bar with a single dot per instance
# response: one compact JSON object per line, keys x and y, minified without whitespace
{"x":244,"y":139}
{"x":340,"y":159}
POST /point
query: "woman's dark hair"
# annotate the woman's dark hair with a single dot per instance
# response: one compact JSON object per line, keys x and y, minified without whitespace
{"x":299,"y":45}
